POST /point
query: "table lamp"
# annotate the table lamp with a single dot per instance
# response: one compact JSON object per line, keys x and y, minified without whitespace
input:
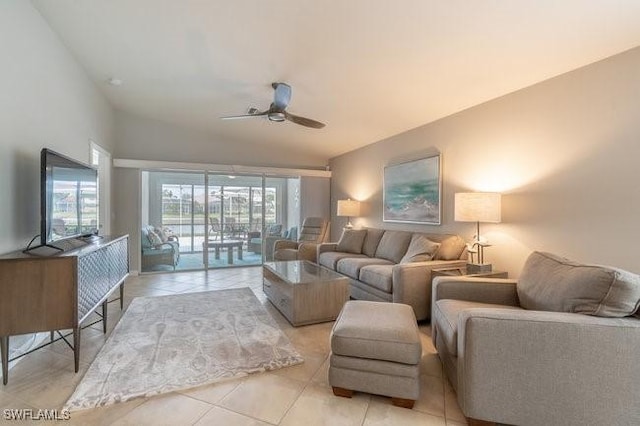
{"x":348,"y":208}
{"x":478,"y":207}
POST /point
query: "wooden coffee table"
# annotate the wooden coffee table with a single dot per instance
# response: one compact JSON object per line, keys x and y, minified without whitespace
{"x":305,"y":293}
{"x":217,"y":245}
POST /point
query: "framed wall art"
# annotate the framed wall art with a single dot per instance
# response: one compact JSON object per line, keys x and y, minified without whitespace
{"x":412,"y":192}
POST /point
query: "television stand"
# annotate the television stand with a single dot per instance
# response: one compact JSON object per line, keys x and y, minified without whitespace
{"x":60,"y":291}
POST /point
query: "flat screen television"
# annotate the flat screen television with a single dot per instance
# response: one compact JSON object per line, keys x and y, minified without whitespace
{"x":68,"y":198}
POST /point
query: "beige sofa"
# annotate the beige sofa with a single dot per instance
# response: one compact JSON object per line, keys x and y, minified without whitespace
{"x":393,"y":266}
{"x":559,"y":346}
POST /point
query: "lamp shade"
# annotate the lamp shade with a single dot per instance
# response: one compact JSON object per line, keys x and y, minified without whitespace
{"x":478,"y":207}
{"x":349,"y":208}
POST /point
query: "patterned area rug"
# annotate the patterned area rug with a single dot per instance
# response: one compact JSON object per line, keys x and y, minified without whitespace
{"x":167,"y":343}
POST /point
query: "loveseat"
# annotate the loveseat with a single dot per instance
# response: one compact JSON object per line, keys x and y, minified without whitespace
{"x":158,"y":248}
{"x":558,"y":346}
{"x":393,"y":266}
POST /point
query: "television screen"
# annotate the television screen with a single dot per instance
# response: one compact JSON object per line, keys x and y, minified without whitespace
{"x":69,"y":198}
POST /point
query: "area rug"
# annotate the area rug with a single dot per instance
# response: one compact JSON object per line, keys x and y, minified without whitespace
{"x":168,"y":343}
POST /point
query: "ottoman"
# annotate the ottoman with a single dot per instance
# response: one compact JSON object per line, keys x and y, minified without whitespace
{"x":375,"y":348}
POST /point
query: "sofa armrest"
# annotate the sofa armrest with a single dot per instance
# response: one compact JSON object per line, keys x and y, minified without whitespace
{"x":326,"y":247}
{"x":581,"y":369}
{"x":499,"y":291}
{"x":308,"y":251}
{"x":412,"y":284}
{"x":284,"y":244}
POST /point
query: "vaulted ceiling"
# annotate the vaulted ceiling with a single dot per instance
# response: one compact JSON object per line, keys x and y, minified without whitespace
{"x":369,"y":69}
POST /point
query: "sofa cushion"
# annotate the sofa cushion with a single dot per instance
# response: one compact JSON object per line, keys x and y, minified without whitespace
{"x":161,"y":233}
{"x":395,"y":336}
{"x":371,"y":241}
{"x":378,"y":276}
{"x":450,"y":248}
{"x":445,"y":318}
{"x":393,"y":245}
{"x":351,"y":241}
{"x":154,"y":238}
{"x":421,"y":249}
{"x":144,"y":238}
{"x":351,"y":266}
{"x":552,"y":283}
{"x":329,"y":259}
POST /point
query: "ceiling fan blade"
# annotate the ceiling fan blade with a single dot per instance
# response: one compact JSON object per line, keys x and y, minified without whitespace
{"x":303,"y":121}
{"x":282,"y":95}
{"x":238,"y":117}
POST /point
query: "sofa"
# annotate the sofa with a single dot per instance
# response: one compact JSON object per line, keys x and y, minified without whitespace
{"x":558,"y":346}
{"x":158,"y":248}
{"x":393,"y":266}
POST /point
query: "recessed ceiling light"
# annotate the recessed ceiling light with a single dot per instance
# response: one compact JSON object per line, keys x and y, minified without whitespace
{"x":114,"y":81}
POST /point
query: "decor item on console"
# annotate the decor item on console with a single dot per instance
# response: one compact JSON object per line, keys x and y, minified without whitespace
{"x":393,"y":266}
{"x":411,"y":192}
{"x":478,"y":207}
{"x":566,"y":330}
{"x":348,"y":208}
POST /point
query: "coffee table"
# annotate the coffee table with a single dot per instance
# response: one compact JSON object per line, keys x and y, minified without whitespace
{"x":305,"y":293}
{"x":217,"y":245}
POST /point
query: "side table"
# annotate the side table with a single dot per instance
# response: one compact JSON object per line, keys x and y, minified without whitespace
{"x":462,"y":272}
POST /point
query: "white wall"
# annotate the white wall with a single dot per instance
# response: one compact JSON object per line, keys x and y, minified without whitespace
{"x":46,"y":100}
{"x":563,"y":152}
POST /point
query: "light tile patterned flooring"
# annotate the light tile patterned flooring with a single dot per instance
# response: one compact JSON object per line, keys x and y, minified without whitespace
{"x":298,"y":395}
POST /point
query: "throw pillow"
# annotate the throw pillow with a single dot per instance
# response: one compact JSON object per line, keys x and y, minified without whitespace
{"x":154,"y":238}
{"x":371,"y":241}
{"x":552,"y":283}
{"x":450,"y":248}
{"x":393,"y":245}
{"x":351,"y":241}
{"x":160,"y":232}
{"x":421,"y":249}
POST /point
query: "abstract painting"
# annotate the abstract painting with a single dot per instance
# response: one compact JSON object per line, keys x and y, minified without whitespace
{"x":411,"y":192}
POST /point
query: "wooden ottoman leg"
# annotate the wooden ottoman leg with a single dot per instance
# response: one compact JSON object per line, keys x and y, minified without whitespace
{"x":404,"y":403}
{"x":346,"y":393}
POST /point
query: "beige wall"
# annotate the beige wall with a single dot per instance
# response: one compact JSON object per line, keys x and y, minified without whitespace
{"x":46,"y":100}
{"x":563,"y":152}
{"x":147,"y":139}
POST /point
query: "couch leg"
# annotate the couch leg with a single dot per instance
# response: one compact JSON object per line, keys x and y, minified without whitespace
{"x":403,"y":403}
{"x":346,"y":393}
{"x":476,"y":422}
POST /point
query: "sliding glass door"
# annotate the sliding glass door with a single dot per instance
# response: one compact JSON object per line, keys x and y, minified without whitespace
{"x":193,"y":220}
{"x":234,"y":218}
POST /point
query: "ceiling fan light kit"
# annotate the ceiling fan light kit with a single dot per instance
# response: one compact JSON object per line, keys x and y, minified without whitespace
{"x":277,"y":110}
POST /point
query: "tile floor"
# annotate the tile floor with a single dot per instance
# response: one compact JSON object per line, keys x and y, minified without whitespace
{"x":298,"y":395}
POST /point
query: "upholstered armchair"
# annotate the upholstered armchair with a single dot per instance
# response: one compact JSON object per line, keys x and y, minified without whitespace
{"x":314,"y":231}
{"x":254,"y":238}
{"x":558,"y":346}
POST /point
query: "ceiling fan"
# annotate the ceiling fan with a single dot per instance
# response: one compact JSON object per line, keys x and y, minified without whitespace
{"x":277,"y":110}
